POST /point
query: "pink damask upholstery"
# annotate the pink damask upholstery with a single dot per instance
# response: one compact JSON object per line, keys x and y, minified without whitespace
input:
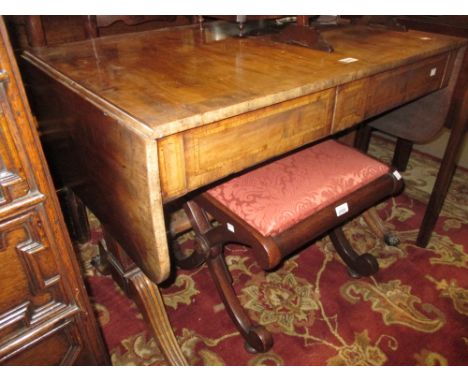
{"x":275,"y":197}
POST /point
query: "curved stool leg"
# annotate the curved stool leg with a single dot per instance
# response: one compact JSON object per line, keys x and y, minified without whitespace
{"x":359,"y":265}
{"x":200,"y":225}
{"x":257,"y":338}
{"x":195,"y":260}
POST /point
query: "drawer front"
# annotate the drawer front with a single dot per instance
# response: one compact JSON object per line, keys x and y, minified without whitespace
{"x":202,"y":155}
{"x":31,"y":287}
{"x":13,"y":183}
{"x":395,"y":87}
{"x":350,"y":107}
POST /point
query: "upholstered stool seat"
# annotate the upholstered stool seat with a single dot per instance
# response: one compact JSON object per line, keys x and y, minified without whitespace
{"x":279,"y":207}
{"x":279,"y":195}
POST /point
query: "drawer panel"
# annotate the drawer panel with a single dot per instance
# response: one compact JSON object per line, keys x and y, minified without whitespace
{"x":395,"y":87}
{"x":202,"y":155}
{"x":13,"y":183}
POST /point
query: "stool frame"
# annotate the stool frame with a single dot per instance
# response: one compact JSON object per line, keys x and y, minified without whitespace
{"x":270,"y":251}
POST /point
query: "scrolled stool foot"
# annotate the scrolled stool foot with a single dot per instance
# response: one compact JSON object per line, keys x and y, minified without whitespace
{"x":259,"y":340}
{"x":365,"y":265}
{"x":353,"y":274}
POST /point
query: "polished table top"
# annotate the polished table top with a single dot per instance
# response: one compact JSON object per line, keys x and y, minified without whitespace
{"x":165,"y":81}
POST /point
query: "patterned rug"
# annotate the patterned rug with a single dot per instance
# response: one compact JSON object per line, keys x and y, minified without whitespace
{"x":414,"y":311}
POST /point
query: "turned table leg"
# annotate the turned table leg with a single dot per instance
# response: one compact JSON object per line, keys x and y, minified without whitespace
{"x":147,"y":296}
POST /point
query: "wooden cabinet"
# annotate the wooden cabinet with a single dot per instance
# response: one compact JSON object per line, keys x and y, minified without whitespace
{"x":45,"y":316}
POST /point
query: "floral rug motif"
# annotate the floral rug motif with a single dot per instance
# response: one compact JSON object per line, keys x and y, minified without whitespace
{"x":414,"y":311}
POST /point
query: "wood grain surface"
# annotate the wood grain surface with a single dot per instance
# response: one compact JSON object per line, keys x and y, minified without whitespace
{"x":174,"y":79}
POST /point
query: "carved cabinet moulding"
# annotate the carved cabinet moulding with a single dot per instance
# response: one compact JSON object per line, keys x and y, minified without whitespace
{"x":13,"y":183}
{"x":59,"y":326}
{"x":32,"y":247}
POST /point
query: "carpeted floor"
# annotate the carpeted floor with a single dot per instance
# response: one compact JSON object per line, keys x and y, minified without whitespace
{"x":414,"y":311}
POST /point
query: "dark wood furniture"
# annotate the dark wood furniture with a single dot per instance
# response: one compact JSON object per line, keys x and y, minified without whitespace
{"x":33,"y":31}
{"x":94,"y":24}
{"x":421,"y":121}
{"x":278,"y":208}
{"x":45,"y":315}
{"x":449,"y":25}
{"x":143,"y":119}
{"x":288,"y":29}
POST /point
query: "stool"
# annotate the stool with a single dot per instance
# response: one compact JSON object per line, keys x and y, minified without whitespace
{"x":278,"y":208}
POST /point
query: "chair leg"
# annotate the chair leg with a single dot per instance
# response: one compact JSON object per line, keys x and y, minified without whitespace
{"x":358,"y":265}
{"x":76,"y":217}
{"x":363,"y":136}
{"x":402,"y":153}
{"x":257,"y":338}
{"x":376,"y":225}
{"x":446,"y":170}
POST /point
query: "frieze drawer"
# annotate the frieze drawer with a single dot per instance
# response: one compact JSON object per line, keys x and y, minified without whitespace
{"x":207,"y":153}
{"x":397,"y":86}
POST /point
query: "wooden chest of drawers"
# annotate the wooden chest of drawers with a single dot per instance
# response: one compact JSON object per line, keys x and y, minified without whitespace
{"x":45,"y":316}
